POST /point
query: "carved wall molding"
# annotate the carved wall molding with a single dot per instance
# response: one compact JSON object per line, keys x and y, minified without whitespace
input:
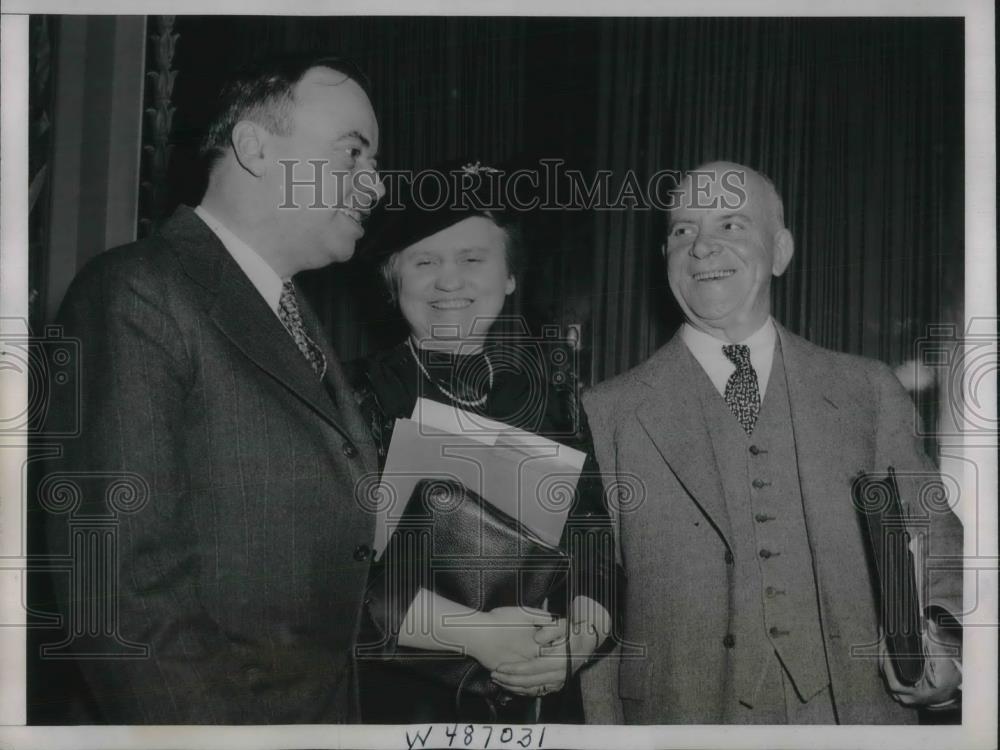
{"x":159,"y":122}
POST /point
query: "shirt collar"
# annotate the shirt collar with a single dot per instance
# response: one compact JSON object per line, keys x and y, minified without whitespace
{"x":707,"y":350}
{"x":261,"y":275}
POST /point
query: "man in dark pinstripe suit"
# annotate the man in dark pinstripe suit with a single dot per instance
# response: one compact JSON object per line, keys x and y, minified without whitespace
{"x":208,"y":388}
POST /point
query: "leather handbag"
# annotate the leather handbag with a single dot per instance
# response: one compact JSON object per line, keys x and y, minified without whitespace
{"x":453,"y":542}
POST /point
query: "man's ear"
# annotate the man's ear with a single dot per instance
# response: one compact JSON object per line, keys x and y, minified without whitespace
{"x":248,"y":141}
{"x":784,"y":249}
{"x":511,"y":284}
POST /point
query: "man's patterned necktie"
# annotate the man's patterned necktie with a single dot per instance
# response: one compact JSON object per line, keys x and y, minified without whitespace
{"x":291,"y":318}
{"x":742,"y":391}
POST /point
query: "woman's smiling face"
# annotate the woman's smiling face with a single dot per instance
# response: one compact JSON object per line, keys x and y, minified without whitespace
{"x":452,"y":284}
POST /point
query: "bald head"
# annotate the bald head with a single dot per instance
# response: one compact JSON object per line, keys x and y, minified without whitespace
{"x":725,"y":241}
{"x":732,"y":185}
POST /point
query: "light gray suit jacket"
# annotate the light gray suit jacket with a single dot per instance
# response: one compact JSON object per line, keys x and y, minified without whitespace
{"x":849,"y":414}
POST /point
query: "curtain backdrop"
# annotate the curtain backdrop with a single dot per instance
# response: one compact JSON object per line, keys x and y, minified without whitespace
{"x":859,"y":123}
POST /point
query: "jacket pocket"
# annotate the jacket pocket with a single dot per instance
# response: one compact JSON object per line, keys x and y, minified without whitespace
{"x":633,"y":678}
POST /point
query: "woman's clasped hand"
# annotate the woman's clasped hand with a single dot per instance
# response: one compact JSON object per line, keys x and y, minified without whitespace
{"x":545,"y":672}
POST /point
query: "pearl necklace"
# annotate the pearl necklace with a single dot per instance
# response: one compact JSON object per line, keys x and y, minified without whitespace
{"x":463,"y":401}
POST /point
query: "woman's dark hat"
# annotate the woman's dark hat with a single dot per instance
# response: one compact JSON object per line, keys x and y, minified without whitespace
{"x":419,"y":204}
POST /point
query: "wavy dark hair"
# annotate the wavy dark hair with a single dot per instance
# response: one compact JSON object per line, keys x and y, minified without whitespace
{"x":263,"y":92}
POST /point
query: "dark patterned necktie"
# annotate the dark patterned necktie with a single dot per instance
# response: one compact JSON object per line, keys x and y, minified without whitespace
{"x":742,"y":391}
{"x":291,"y":318}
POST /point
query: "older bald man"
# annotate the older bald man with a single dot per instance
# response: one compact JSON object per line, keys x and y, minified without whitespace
{"x":749,"y":598}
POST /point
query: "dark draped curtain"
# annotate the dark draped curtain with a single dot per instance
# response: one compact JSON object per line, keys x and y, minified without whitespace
{"x":859,"y":123}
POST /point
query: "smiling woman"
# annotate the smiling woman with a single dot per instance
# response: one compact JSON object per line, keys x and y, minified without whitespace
{"x":452,"y":285}
{"x":451,"y":268}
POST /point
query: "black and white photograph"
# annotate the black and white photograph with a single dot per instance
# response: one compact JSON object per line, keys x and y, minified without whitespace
{"x":435,"y":377}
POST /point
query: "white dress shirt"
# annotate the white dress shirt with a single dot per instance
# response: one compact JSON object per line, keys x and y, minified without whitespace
{"x":261,"y":275}
{"x":708,"y":351}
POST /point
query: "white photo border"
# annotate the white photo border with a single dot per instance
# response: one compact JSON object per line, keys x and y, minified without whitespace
{"x":980,"y":663}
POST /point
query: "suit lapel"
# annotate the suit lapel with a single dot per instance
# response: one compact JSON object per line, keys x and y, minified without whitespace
{"x":672,"y":418}
{"x":237,"y":308}
{"x":822,"y":415}
{"x":336,"y":383}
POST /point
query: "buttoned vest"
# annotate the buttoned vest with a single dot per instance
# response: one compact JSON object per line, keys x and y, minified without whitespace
{"x":774,"y":606}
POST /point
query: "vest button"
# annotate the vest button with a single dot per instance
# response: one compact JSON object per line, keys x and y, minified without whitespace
{"x":763,"y":518}
{"x":349,"y":450}
{"x":754,"y":450}
{"x":729,"y":641}
{"x":759,"y":484}
{"x":769,"y":591}
{"x":361,"y":552}
{"x":729,"y":557}
{"x":765,"y":553}
{"x":777,"y":632}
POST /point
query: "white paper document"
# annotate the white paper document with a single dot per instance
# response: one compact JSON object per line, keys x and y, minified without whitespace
{"x":527,"y":476}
